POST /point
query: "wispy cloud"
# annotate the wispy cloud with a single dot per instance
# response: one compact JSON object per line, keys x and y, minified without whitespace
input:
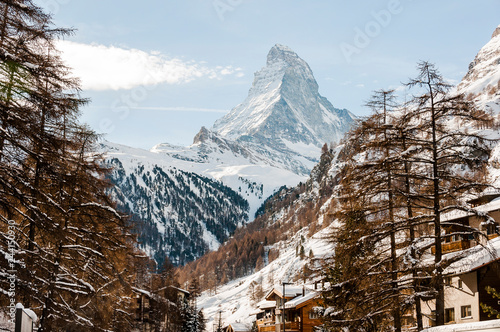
{"x":112,"y":68}
{"x":171,"y":109}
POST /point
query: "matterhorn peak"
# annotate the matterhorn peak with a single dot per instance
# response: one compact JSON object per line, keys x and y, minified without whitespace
{"x":282,"y":53}
{"x":284,"y":111}
{"x":282,"y":59}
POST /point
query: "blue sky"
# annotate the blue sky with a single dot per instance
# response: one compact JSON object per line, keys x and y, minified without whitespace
{"x":157,"y":71}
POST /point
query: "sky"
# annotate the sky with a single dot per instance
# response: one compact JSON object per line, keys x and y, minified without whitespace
{"x":156,"y":71}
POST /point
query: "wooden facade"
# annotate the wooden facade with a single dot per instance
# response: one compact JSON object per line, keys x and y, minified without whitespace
{"x":453,"y":242}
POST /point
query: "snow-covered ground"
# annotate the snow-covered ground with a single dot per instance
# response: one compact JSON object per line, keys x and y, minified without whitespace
{"x":487,"y":326}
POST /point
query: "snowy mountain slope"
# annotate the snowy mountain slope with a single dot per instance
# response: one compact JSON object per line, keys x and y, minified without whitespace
{"x":234,"y":299}
{"x":482,"y":84}
{"x":482,"y":81}
{"x":176,"y":213}
{"x":254,"y":182}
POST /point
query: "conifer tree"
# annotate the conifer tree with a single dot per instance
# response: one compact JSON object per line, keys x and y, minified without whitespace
{"x":71,"y":249}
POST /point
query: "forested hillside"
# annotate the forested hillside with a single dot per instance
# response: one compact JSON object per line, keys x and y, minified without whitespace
{"x":177,"y":214}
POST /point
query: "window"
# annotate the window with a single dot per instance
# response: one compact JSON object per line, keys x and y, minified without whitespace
{"x":447,"y":281}
{"x":449,"y":315}
{"x":460,"y":284}
{"x":466,"y":311}
{"x":490,"y":228}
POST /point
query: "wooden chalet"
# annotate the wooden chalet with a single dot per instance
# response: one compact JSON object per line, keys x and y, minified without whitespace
{"x":266,"y":316}
{"x":298,"y":306}
{"x":465,"y":287}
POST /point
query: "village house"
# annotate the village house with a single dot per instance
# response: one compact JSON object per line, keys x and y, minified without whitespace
{"x":297,"y":305}
{"x":266,"y":316}
{"x":237,"y":327}
{"x":465,"y":286}
{"x":478,"y":266}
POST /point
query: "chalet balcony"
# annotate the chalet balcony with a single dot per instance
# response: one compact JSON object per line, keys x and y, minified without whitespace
{"x":492,"y":236}
{"x":267,"y":328}
{"x":266,"y":324}
{"x":448,"y":247}
{"x":290,"y":326}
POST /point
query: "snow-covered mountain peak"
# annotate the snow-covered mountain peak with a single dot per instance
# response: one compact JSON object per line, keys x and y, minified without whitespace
{"x":286,"y":57}
{"x":284,"y":110}
{"x":482,"y":81}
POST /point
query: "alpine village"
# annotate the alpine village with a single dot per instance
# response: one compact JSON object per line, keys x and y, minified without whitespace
{"x":287,"y":214}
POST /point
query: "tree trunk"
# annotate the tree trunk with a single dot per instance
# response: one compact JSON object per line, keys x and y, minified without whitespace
{"x":437,"y":217}
{"x":418,"y":305}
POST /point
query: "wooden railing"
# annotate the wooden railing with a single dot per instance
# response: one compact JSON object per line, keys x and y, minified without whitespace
{"x":267,"y":328}
{"x":290,"y":326}
{"x":452,"y":246}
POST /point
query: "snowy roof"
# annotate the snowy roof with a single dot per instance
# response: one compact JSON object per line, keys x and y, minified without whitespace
{"x":290,"y":291}
{"x":266,"y":304}
{"x":239,"y":327}
{"x":300,"y":300}
{"x":456,"y":214}
{"x":256,"y":312}
{"x":141,"y":291}
{"x":180,"y":290}
{"x":475,"y":257}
